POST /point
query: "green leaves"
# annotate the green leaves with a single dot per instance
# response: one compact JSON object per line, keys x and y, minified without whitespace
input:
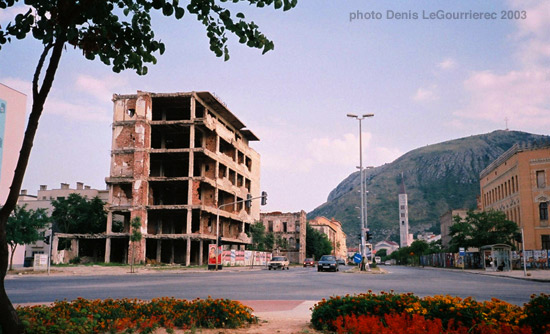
{"x":24,"y":225}
{"x":125,"y":40}
{"x":75,"y":214}
{"x":481,"y":229}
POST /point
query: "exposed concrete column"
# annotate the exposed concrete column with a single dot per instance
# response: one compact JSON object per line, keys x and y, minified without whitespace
{"x":201,"y":251}
{"x":109,"y":228}
{"x":107,"y":249}
{"x":172,"y":251}
{"x":159,"y":250}
{"x":74,"y":247}
{"x":54,"y":254}
{"x":188,"y":253}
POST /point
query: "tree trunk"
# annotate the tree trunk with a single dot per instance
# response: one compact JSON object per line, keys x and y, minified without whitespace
{"x":13,"y":248}
{"x":9,"y":321}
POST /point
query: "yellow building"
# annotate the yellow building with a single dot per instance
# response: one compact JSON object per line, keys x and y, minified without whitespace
{"x":517,"y":183}
{"x":333,"y":229}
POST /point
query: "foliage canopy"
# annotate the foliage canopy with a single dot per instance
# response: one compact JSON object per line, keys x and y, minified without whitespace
{"x":317,"y":243}
{"x":75,"y":214}
{"x":24,"y":227}
{"x":482,"y":228}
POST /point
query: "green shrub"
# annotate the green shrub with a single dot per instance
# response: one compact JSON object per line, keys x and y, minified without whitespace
{"x":537,"y":313}
{"x":133,"y":315}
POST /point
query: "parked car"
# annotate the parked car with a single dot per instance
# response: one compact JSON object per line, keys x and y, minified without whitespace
{"x":309,"y":262}
{"x":387,"y":263}
{"x":341,"y":262}
{"x":377,"y":259}
{"x":278,"y":262}
{"x":327,"y":262}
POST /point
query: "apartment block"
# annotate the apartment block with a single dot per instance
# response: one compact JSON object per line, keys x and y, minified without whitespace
{"x":518,"y":184}
{"x":179,"y":162}
{"x":333,"y":230}
{"x":43,"y":200}
{"x":291,"y":226}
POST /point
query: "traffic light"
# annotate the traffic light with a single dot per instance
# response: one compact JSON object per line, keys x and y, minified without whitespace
{"x":248,"y":202}
{"x":369,"y":235}
{"x":264,"y":198}
{"x":219,"y":241}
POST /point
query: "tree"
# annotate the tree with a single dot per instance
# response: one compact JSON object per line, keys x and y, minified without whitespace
{"x":76,"y":214}
{"x":482,"y":228}
{"x":119,"y":33}
{"x":317,"y":243}
{"x":257,"y":233}
{"x":24,"y":227}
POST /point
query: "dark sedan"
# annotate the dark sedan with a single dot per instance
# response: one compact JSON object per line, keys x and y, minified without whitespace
{"x":327,"y":263}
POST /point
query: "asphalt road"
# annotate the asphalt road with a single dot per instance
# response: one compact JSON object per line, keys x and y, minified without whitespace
{"x":294,"y":284}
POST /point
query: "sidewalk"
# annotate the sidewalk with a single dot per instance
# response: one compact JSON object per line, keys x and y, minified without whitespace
{"x":537,"y":275}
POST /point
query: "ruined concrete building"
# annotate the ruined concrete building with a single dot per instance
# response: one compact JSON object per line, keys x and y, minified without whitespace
{"x":174,"y":159}
{"x":291,"y":227}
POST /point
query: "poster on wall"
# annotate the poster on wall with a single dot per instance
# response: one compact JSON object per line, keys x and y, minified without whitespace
{"x":212,"y":255}
{"x":3,"y":110}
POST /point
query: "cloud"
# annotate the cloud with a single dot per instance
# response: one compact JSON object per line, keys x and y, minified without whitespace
{"x":79,"y":111}
{"x":521,"y":96}
{"x":76,"y":111}
{"x":447,"y":64}
{"x":337,"y":151}
{"x":100,"y":88}
{"x":425,"y":94}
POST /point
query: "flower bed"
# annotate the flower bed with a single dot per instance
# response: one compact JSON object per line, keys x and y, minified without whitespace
{"x":407,"y":313}
{"x":133,"y":315}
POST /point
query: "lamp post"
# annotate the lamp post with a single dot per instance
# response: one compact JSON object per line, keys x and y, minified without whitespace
{"x":363,"y":222}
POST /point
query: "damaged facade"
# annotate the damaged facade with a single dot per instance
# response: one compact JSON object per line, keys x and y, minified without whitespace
{"x":290,"y":226}
{"x":174,"y":159}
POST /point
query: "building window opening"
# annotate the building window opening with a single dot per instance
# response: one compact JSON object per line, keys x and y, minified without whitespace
{"x":543,"y":211}
{"x":541,"y":179}
{"x":545,"y":238}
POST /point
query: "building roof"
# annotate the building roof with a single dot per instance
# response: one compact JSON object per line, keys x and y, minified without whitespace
{"x":517,"y":148}
{"x":212,"y":101}
{"x":402,"y":189}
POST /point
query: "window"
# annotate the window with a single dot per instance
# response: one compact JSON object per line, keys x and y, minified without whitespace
{"x":402,"y":214}
{"x":284,"y":227}
{"x":402,"y":207}
{"x":270,"y":226}
{"x":545,"y":241}
{"x":543,"y":211}
{"x":297,"y":224}
{"x":541,"y":179}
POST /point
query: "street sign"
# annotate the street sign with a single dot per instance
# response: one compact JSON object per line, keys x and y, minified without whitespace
{"x":357,"y":258}
{"x":461,"y":251}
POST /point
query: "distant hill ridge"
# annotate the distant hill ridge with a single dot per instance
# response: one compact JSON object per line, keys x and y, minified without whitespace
{"x":438,"y":178}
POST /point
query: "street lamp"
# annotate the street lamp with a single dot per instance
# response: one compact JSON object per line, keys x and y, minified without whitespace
{"x":363,"y":222}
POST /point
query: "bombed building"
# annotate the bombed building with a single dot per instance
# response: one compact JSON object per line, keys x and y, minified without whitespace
{"x":176,"y":158}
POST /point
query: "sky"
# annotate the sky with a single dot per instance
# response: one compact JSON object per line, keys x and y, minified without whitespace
{"x":425,"y":80}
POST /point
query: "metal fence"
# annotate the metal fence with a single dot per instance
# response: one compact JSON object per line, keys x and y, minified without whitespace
{"x":535,"y":259}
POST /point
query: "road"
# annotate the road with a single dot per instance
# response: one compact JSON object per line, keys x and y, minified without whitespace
{"x":294,"y":284}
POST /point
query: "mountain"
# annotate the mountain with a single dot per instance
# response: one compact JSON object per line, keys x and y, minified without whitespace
{"x":438,"y":178}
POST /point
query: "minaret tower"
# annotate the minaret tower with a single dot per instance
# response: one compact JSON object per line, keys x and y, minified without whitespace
{"x":404,"y":238}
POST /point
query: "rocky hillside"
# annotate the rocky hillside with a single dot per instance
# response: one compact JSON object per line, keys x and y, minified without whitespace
{"x":438,"y":178}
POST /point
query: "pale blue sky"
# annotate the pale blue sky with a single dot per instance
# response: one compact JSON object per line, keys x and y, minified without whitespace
{"x":426,"y":81}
